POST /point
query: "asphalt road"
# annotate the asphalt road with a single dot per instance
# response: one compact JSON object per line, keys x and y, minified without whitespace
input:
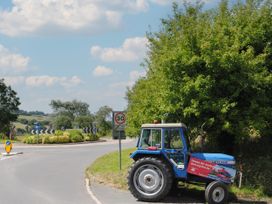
{"x":50,"y":175}
{"x":55,"y":175}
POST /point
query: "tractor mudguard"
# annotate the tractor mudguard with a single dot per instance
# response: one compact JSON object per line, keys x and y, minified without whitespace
{"x":138,"y":153}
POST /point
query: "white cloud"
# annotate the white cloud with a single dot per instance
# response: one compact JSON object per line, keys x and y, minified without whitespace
{"x":44,"y":80}
{"x":88,"y":16}
{"x":162,"y":2}
{"x":91,"y":16}
{"x":52,"y":80}
{"x":133,"y":77}
{"x":122,"y":84}
{"x":167,"y":2}
{"x":102,"y":71}
{"x":11,"y":62}
{"x":132,"y":49}
{"x":14,"y":80}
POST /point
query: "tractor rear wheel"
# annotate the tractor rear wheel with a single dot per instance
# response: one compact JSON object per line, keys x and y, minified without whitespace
{"x":149,"y":179}
{"x":216,"y":193}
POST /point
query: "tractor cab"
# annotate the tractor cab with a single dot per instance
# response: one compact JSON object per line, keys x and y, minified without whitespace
{"x":167,"y":140}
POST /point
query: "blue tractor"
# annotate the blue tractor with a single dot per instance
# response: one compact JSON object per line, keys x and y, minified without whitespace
{"x":163,"y":158}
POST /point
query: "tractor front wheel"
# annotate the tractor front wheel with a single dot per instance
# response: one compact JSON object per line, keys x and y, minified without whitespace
{"x":150,"y":179}
{"x":216,"y":193}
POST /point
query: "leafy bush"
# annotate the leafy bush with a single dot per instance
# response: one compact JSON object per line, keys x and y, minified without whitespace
{"x":60,"y":137}
{"x":66,"y":133}
{"x":55,"y":139}
{"x":255,"y":161}
{"x":91,"y":137}
{"x":33,"y":139}
{"x":58,"y":132}
{"x":258,"y":174}
{"x":63,"y":139}
{"x":46,"y":139}
{"x":2,"y":136}
{"x":76,"y":136}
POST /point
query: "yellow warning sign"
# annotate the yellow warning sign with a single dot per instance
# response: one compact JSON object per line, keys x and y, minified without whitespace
{"x":8,"y":146}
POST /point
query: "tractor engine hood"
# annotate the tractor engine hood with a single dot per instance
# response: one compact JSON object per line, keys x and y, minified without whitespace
{"x":217,"y":158}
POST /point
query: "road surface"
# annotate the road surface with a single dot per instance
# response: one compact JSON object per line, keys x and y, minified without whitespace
{"x":55,"y":175}
{"x":50,"y":175}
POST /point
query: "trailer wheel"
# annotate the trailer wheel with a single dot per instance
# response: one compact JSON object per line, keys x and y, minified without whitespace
{"x":149,"y":179}
{"x":216,"y":193}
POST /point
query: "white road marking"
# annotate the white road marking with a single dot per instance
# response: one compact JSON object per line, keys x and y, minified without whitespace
{"x":87,"y":181}
{"x":6,"y":156}
{"x":3,"y":158}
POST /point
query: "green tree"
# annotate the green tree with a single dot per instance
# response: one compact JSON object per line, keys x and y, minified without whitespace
{"x":62,"y":121}
{"x":209,"y":69}
{"x":84,"y":121}
{"x":103,"y":120}
{"x":71,"y":109}
{"x":9,"y":103}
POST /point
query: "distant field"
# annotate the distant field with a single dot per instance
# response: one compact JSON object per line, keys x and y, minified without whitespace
{"x":35,"y":117}
{"x":19,"y":125}
{"x":39,"y":118}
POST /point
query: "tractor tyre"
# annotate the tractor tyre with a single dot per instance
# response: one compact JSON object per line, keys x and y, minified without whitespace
{"x":149,"y":179}
{"x":175,"y":190}
{"x":216,"y":193}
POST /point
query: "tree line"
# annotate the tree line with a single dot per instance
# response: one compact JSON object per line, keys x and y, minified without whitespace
{"x":66,"y":115}
{"x":76,"y":114}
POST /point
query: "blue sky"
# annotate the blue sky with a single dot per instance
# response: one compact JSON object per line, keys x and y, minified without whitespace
{"x":89,"y":50}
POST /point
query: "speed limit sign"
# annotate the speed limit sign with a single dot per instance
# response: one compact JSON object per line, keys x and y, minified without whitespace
{"x":119,"y":118}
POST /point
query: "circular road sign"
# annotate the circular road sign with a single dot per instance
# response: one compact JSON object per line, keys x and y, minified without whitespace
{"x":119,"y":118}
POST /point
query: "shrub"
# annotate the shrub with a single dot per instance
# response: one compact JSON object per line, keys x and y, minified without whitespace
{"x":33,"y":139}
{"x":66,"y":133}
{"x":60,"y":137}
{"x":91,"y":137}
{"x":76,"y":136}
{"x":2,"y":136}
{"x":53,"y":139}
{"x":257,"y":173}
{"x":63,"y":139}
{"x":46,"y":139}
{"x":255,"y":160}
{"x":58,"y":132}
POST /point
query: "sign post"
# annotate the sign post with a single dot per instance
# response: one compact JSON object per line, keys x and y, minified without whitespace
{"x":119,"y":120}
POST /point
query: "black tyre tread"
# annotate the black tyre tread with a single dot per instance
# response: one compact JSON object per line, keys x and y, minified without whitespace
{"x":213,"y":185}
{"x":165,"y":170}
{"x":207,"y":190}
{"x":174,"y":189}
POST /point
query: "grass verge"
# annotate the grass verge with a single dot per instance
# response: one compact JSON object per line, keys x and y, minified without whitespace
{"x":106,"y":169}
